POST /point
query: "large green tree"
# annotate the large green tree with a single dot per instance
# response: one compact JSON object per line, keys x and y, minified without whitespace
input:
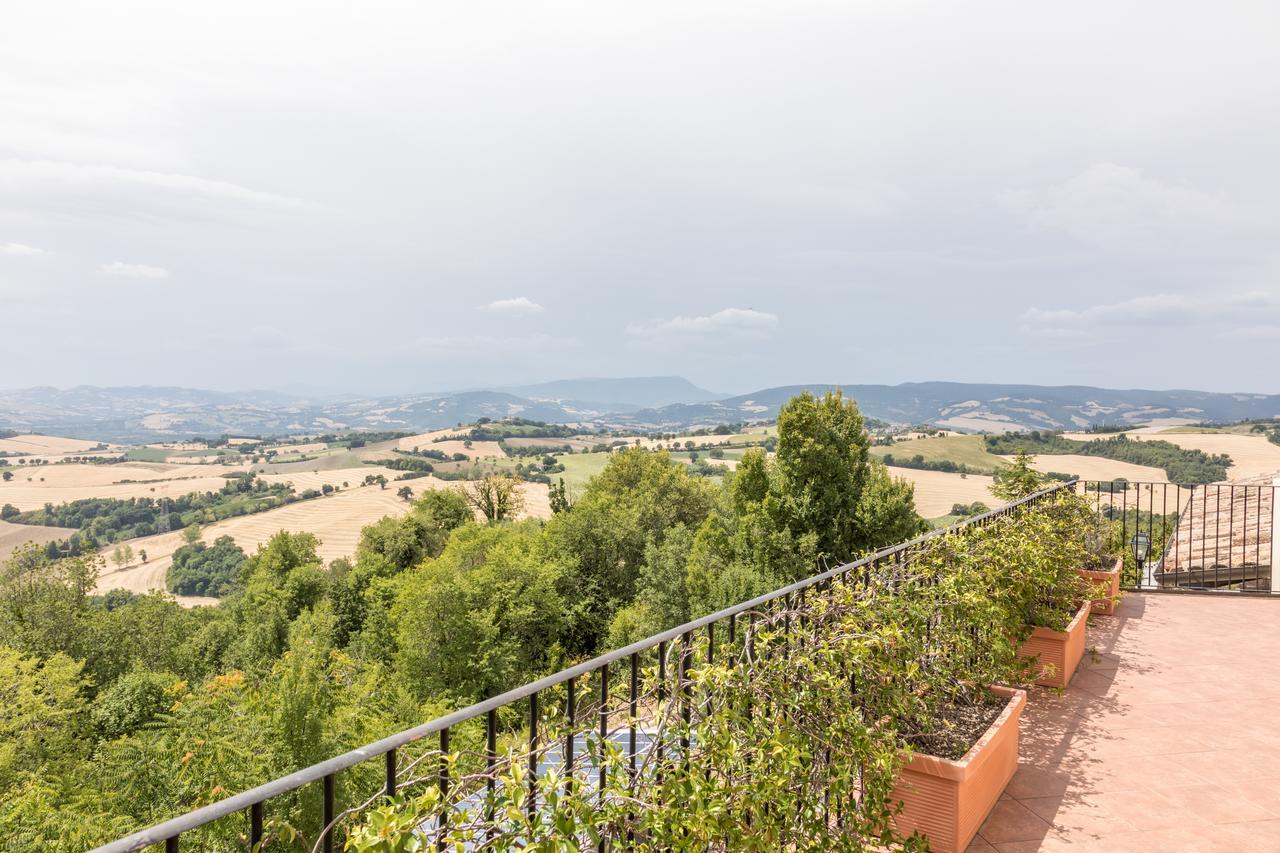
{"x":637,"y":499}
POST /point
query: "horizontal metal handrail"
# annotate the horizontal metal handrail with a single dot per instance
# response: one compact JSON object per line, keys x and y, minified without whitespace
{"x":174,"y":827}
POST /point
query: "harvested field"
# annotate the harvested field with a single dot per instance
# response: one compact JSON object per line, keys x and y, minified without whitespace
{"x":13,"y":535}
{"x":426,"y":440}
{"x":303,"y":480}
{"x":937,"y":492}
{"x":65,"y":483}
{"x":312,"y":448}
{"x":477,"y":450}
{"x":537,"y":500}
{"x":1251,"y":455}
{"x":1097,"y":468}
{"x":45,"y":445}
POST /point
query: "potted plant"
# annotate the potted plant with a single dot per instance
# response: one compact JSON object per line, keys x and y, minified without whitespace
{"x":957,"y":769}
{"x":1054,"y":599}
{"x":1058,"y":603}
{"x":1102,"y":566}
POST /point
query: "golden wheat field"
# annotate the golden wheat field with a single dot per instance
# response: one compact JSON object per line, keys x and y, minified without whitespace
{"x":1096,"y":468}
{"x":477,"y":450}
{"x":937,"y":491}
{"x":1251,"y":455}
{"x":425,"y":440}
{"x":303,"y":480}
{"x":33,"y":488}
{"x":45,"y":445}
{"x":303,"y":449}
{"x":13,"y":535}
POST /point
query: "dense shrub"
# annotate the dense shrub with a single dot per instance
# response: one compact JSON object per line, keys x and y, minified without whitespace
{"x":200,"y":569}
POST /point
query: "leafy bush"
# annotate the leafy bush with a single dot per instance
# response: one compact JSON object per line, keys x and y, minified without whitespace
{"x":133,"y":700}
{"x":200,"y":569}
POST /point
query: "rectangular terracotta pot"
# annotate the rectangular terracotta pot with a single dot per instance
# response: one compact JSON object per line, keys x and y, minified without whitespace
{"x":1110,"y":580}
{"x":947,"y":801}
{"x":1060,"y":652}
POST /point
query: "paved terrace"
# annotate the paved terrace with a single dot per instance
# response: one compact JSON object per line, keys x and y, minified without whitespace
{"x":1168,"y":738}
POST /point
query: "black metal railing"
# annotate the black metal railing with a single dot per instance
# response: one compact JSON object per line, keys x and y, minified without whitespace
{"x":1215,"y":537}
{"x":613,"y":693}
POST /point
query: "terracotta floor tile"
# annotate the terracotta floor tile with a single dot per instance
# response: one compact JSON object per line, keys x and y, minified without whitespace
{"x":1080,"y":817}
{"x":1012,"y":821}
{"x":1213,"y":803}
{"x":1155,"y":746}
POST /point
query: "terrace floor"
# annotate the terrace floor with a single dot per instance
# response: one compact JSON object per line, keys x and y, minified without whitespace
{"x":1167,"y":739}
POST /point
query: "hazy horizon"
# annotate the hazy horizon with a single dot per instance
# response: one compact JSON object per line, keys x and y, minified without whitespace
{"x":402,"y":197}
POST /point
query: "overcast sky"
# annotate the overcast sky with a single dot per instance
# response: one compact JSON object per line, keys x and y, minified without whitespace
{"x":385,"y":197}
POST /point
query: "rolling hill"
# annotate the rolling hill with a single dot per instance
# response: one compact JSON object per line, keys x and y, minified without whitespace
{"x":134,"y":414}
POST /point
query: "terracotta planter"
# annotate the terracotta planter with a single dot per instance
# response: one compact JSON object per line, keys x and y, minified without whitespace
{"x":947,"y":801}
{"x":1110,"y":581}
{"x":1059,"y":652}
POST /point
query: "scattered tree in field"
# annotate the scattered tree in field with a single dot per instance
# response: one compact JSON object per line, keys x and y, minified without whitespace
{"x":497,"y":498}
{"x":122,"y":555}
{"x":191,"y":534}
{"x":558,"y":496}
{"x":142,"y":554}
{"x":8,"y":475}
{"x":405,"y":493}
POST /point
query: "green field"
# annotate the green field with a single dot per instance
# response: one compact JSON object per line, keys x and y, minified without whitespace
{"x":579,"y":468}
{"x":969,"y":450}
{"x":147,"y":454}
{"x":210,"y":451}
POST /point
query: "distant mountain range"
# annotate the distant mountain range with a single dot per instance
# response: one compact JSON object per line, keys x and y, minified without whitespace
{"x":133,"y":414}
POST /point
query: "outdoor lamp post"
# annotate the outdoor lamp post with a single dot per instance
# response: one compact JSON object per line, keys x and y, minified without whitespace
{"x":1141,"y":545}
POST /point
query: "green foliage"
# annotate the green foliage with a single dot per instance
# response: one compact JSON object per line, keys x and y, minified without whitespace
{"x":1017,"y":480}
{"x":822,"y":467}
{"x":966,"y":510}
{"x":134,"y":699}
{"x":482,"y":617}
{"x":42,"y":713}
{"x":200,"y":569}
{"x":638,"y":498}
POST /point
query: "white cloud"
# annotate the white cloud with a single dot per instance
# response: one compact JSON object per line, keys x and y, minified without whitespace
{"x":518,"y":305}
{"x":1118,"y":206}
{"x":119,"y":269}
{"x":1253,"y":314}
{"x":728,"y":322}
{"x":20,"y":249}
